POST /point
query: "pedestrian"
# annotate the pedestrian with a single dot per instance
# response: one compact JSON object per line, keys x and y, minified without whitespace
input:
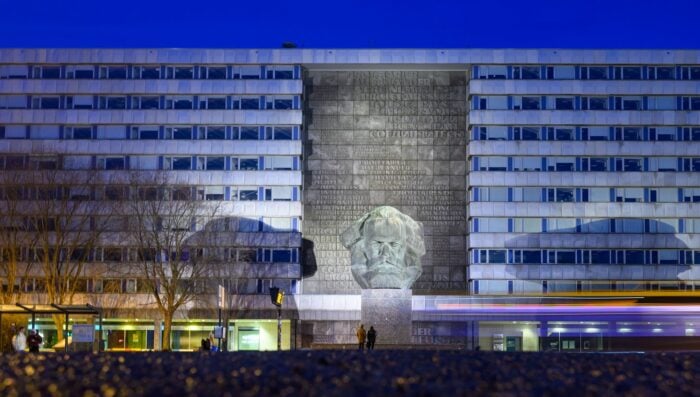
{"x":361,"y":336}
{"x":206,"y":345}
{"x":19,"y":340}
{"x":371,"y":338}
{"x":212,"y":346}
{"x":34,"y":341}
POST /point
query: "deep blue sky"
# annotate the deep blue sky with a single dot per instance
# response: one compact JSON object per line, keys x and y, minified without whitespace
{"x":351,"y":23}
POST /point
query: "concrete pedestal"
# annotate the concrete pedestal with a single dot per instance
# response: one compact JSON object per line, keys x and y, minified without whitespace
{"x":389,"y":312}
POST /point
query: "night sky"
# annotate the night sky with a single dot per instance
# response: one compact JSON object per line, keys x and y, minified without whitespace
{"x":351,"y":23}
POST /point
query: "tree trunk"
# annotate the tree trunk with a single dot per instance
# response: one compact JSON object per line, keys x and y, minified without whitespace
{"x":167,"y":330}
{"x":58,"y":321}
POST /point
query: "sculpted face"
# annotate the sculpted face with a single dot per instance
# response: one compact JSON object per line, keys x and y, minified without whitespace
{"x":385,"y":247}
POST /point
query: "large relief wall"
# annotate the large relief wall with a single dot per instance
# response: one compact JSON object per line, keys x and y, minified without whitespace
{"x":376,"y":138}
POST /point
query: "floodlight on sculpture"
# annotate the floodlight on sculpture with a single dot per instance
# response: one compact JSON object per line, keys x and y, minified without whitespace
{"x":385,"y":247}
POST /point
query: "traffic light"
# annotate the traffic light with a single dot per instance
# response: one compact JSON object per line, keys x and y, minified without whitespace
{"x":276,"y":296}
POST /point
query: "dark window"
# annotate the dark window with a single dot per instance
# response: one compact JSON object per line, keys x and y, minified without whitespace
{"x":632,"y":164}
{"x":529,"y":72}
{"x":600,"y":257}
{"x":566,"y":257}
{"x":248,"y":164}
{"x":599,"y":164}
{"x":14,"y":162}
{"x":248,"y":195}
{"x":215,"y":163}
{"x":532,"y":257}
{"x":112,"y":255}
{"x":50,"y":103}
{"x":632,"y":134}
{"x":148,"y":134}
{"x":249,"y":133}
{"x":694,"y":73}
{"x":182,"y":133}
{"x":565,"y":195}
{"x":184,"y":72}
{"x":597,"y":72}
{"x":50,"y":72}
{"x":564,"y":103}
{"x":150,"y":72}
{"x":250,"y":103}
{"x":114,"y":193}
{"x":216,"y":73}
{"x":282,"y":133}
{"x":695,"y":164}
{"x":632,"y":73}
{"x":531,"y":133}
{"x":116,"y":103}
{"x":564,"y":134}
{"x":665,"y":73}
{"x":183,"y":103}
{"x":116,"y":72}
{"x":695,"y":134}
{"x":281,"y":256}
{"x":216,"y":103}
{"x":182,"y":163}
{"x":150,"y":102}
{"x":497,"y":256}
{"x":283,"y":103}
{"x":597,"y":103}
{"x":84,"y":74}
{"x":631,"y":104}
{"x":182,"y":193}
{"x":82,"y":133}
{"x":635,"y":257}
{"x":216,"y":133}
{"x":530,"y":103}
{"x":114,"y":163}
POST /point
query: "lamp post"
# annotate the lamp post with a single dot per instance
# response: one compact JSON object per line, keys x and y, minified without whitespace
{"x":277,"y":297}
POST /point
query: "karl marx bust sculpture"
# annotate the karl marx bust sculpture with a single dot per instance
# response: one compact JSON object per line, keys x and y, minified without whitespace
{"x":386,"y":246}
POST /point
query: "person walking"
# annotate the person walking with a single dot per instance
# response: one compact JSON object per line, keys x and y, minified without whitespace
{"x":371,"y":338}
{"x":361,"y":337}
{"x":19,"y":340}
{"x":34,"y":341}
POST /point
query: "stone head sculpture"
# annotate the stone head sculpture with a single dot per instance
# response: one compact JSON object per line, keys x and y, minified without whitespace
{"x":385,"y":246}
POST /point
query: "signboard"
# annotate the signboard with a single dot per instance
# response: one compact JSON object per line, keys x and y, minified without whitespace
{"x":222,"y":297}
{"x":219,"y":332}
{"x":83,"y":333}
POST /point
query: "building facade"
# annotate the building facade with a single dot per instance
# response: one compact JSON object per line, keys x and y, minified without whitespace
{"x":536,"y":173}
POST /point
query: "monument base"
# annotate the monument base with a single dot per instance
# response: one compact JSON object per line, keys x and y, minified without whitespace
{"x":389,"y":312}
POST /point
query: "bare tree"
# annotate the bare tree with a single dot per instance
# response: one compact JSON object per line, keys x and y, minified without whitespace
{"x":13,"y":237}
{"x":172,"y":256}
{"x":66,"y":224}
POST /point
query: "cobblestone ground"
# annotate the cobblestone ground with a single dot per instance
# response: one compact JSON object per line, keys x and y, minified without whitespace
{"x":350,"y":373}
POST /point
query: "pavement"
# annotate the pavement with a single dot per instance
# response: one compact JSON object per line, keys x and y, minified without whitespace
{"x":350,"y":373}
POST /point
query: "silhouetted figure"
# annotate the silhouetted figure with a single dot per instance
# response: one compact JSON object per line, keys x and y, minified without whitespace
{"x":361,"y":337}
{"x":34,"y":341}
{"x":371,"y":338}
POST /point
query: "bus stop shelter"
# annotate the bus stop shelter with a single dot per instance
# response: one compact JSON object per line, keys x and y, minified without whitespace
{"x":53,"y":309}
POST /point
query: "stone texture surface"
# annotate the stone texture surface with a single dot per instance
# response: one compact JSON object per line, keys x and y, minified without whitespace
{"x":389,"y":311}
{"x":385,"y":138}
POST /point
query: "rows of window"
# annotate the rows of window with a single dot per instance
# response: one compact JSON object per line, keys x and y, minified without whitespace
{"x":125,"y":162}
{"x":584,"y":225}
{"x":115,"y":285}
{"x":131,"y":254}
{"x":119,"y":223}
{"x":151,"y":132}
{"x":585,"y":257}
{"x":572,"y":102}
{"x":585,"y":133}
{"x":148,"y":102}
{"x":587,"y":72}
{"x":150,"y":72}
{"x":124,"y":192}
{"x":525,"y":287}
{"x":586,"y":194}
{"x":585,"y":164}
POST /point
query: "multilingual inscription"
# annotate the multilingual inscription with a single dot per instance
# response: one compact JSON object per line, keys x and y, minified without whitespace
{"x":385,"y":138}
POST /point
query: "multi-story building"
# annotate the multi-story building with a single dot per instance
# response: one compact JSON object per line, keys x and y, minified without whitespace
{"x":534,"y":172}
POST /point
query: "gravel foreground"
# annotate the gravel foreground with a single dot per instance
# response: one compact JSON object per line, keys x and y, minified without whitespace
{"x":350,"y":373}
